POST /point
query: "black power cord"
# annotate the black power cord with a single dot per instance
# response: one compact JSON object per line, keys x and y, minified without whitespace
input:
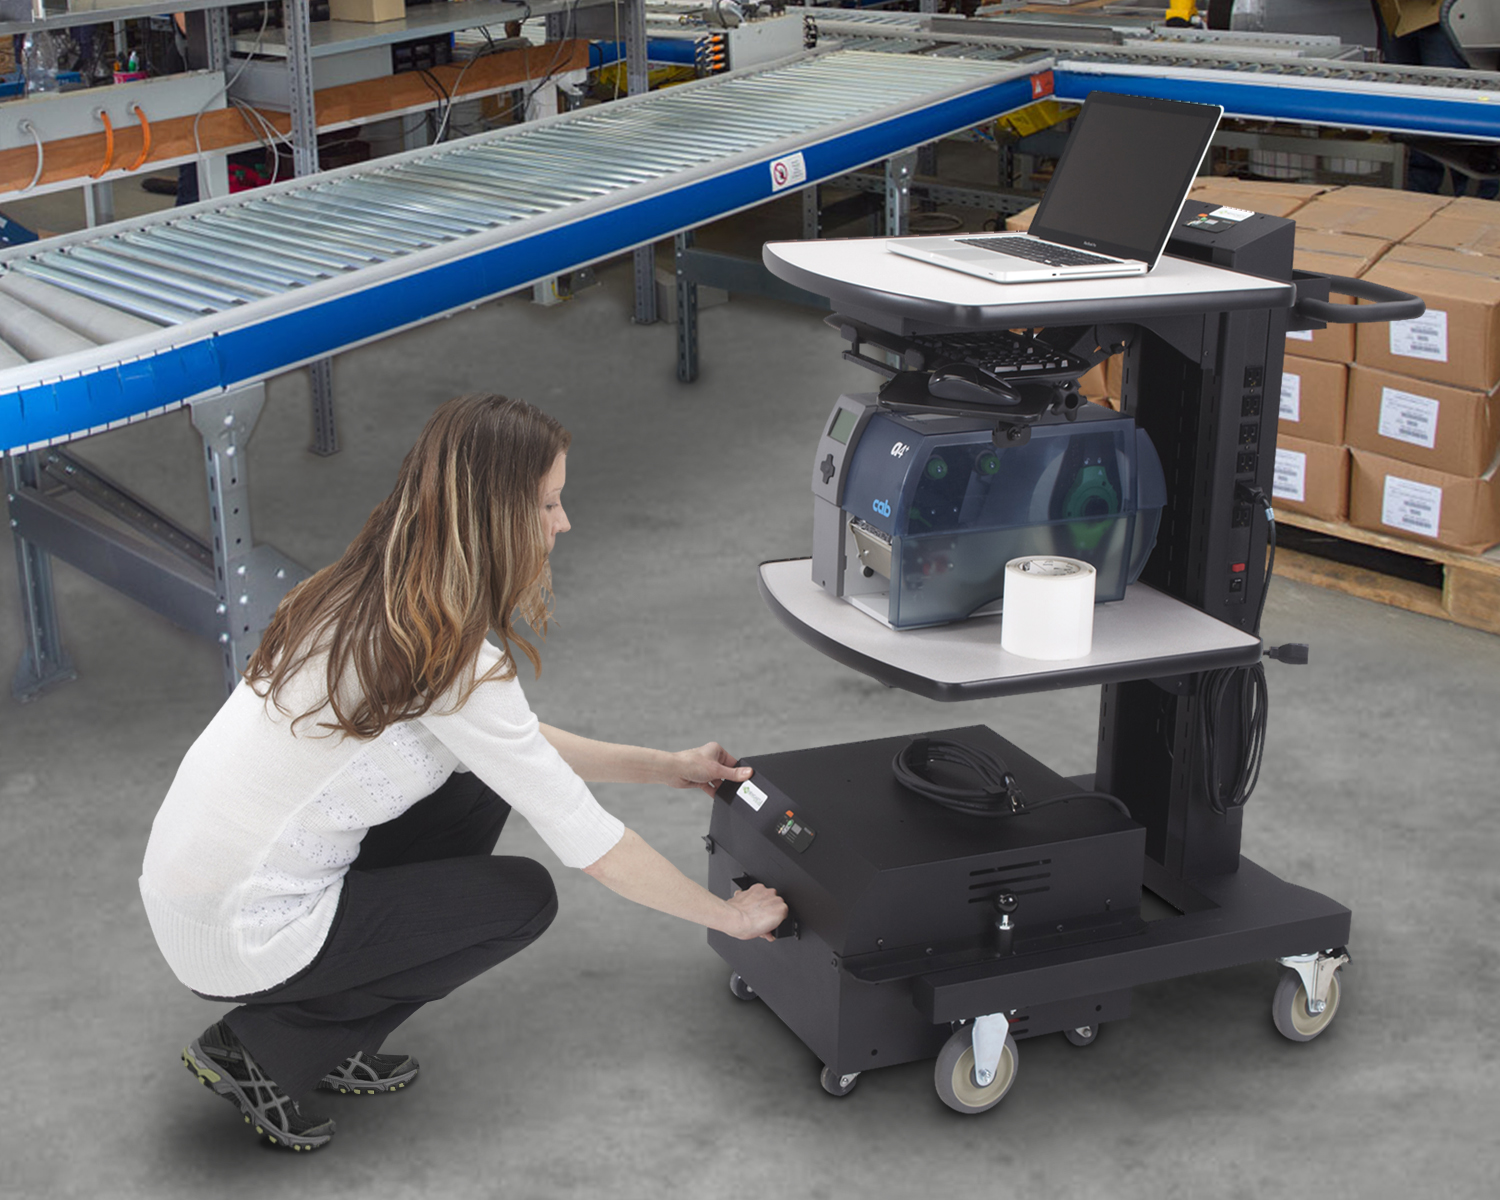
{"x":997,"y":794}
{"x":1247,"y":685}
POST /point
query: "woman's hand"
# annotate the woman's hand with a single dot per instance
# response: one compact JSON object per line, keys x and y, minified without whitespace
{"x":760,"y":910}
{"x":704,"y":768}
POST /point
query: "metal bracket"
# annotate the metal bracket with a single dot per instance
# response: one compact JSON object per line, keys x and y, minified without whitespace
{"x":899,"y":169}
{"x":988,"y":1038}
{"x":44,"y":661}
{"x":1317,"y":971}
{"x":249,"y":580}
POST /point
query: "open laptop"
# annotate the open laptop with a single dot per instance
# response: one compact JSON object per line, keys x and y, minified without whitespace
{"x":1119,"y":185}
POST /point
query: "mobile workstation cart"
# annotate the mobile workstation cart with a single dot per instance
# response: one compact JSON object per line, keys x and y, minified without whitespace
{"x":916,"y":931}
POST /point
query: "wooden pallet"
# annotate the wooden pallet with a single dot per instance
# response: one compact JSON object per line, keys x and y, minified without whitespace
{"x":1469,"y":593}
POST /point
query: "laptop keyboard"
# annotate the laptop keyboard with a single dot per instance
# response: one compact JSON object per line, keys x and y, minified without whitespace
{"x":1000,"y":353}
{"x":1047,"y":253}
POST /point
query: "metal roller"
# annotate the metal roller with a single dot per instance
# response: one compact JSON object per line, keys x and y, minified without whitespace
{"x":233,"y":242}
{"x":97,"y":322}
{"x":193,"y":253}
{"x":247,"y":231}
{"x":36,"y":335}
{"x":122,"y":266}
{"x":9,"y":357}
{"x":438,"y":227}
{"x":127,"y":302}
{"x":445,"y":196}
{"x":74,"y":267}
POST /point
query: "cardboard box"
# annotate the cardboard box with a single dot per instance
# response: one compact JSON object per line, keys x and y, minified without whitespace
{"x":1455,"y":430}
{"x":1405,"y":500}
{"x":1261,"y":187}
{"x":1093,"y":385}
{"x":1406,"y":16}
{"x":367,"y":11}
{"x":1311,"y":478}
{"x":1445,"y":260}
{"x":1020,"y":222}
{"x":1461,"y":232}
{"x":1457,"y":340}
{"x":1362,"y":251}
{"x":1372,"y":212}
{"x":1312,"y":400}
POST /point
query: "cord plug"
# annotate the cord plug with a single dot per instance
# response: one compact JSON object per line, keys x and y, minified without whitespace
{"x":1293,"y":653}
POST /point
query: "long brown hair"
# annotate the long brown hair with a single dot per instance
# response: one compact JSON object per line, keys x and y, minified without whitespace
{"x":456,"y":550}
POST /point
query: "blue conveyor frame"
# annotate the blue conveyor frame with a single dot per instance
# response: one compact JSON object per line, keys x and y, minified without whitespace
{"x":74,"y":398}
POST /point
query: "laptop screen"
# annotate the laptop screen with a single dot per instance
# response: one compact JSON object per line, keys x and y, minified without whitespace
{"x":1124,"y":174}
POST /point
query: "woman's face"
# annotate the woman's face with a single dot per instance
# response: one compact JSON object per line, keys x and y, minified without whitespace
{"x":554,"y":520}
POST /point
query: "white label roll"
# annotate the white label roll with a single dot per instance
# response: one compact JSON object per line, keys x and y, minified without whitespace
{"x":1048,"y":612}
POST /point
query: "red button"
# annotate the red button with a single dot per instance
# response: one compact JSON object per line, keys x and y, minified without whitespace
{"x":1237,"y":567}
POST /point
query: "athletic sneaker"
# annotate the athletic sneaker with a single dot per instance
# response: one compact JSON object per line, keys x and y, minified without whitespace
{"x":224,"y":1066}
{"x":367,"y":1074}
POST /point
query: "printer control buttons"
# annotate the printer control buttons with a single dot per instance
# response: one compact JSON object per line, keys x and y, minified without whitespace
{"x":794,"y":831}
{"x":827,"y":469}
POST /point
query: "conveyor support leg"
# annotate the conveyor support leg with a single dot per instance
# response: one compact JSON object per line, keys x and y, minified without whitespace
{"x":812,"y":224}
{"x":687,"y":314}
{"x":43,"y":660}
{"x":325,"y":426}
{"x":899,"y":169}
{"x":250,"y":580}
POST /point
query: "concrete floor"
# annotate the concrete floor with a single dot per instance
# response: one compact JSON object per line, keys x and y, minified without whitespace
{"x":611,"y":1060}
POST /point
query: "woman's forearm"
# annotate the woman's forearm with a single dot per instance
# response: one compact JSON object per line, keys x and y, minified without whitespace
{"x":606,"y":762}
{"x":634,"y":870}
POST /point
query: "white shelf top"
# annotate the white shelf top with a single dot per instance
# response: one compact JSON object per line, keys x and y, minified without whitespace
{"x":862,"y":273}
{"x":1146,"y":635}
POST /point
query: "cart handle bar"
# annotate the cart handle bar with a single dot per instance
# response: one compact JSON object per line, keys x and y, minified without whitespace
{"x":1389,"y":304}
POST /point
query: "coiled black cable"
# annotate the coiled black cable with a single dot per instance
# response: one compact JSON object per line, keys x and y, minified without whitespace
{"x":1252,"y":702}
{"x":997,"y":794}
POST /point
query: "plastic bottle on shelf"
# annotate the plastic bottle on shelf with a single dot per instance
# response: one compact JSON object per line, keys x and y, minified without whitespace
{"x":39,"y":62}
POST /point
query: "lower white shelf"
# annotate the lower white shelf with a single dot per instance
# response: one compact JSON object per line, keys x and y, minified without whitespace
{"x":1147,"y":635}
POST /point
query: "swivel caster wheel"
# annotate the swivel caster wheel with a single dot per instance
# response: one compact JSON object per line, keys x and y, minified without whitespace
{"x":838,"y":1085}
{"x":1290,"y":1011}
{"x":1084,"y":1035}
{"x":953,"y":1076}
{"x":740,"y":988}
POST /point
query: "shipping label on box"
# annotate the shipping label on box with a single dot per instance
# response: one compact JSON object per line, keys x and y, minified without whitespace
{"x":1411,"y":507}
{"x":1290,"y":481}
{"x":1291,"y":396}
{"x":1424,"y":337}
{"x":1407,"y":417}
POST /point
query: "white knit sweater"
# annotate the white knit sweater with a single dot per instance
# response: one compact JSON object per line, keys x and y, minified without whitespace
{"x":247,"y":855}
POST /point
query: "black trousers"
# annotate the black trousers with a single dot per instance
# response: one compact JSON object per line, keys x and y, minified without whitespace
{"x":425,"y":907}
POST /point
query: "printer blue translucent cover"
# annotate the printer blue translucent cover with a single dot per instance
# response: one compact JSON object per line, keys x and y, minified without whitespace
{"x":957,"y":508}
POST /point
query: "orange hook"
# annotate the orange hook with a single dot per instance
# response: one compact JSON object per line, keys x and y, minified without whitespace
{"x":145,"y":138}
{"x":109,"y":145}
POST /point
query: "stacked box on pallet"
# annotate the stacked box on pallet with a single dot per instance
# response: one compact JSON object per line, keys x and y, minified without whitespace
{"x":1312,"y":462}
{"x":1424,"y":398}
